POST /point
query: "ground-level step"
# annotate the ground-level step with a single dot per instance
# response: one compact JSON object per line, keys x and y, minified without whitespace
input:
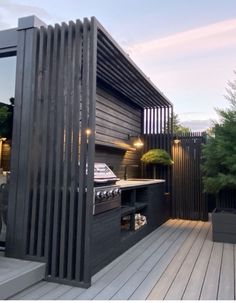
{"x":16,"y":275}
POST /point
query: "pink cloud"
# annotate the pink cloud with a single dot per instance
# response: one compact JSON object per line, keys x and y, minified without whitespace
{"x":217,"y":35}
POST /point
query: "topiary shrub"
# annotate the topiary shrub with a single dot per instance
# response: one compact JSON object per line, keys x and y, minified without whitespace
{"x":156,"y":156}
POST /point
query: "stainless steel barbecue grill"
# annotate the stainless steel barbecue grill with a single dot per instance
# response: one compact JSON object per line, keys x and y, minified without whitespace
{"x":107,"y":195}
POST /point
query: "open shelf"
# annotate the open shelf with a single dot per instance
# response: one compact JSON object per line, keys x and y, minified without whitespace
{"x":134,"y":201}
{"x":127,"y":210}
{"x":140,"y":205}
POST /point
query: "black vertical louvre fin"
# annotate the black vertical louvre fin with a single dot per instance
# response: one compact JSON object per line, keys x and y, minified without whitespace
{"x":76,"y":99}
{"x":52,"y":156}
{"x":52,"y":145}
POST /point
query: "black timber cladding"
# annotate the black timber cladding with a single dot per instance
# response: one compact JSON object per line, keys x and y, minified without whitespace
{"x":116,"y":120}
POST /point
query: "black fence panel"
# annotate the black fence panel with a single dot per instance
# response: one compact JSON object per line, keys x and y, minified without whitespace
{"x":188,"y":199}
{"x":183,"y":178}
{"x":226,"y":199}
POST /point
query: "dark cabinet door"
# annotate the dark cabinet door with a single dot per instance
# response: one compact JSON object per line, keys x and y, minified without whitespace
{"x":158,"y":208}
{"x":105,"y":239}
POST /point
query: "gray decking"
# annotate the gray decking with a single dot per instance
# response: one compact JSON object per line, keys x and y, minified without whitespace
{"x":16,"y":275}
{"x":177,"y":261}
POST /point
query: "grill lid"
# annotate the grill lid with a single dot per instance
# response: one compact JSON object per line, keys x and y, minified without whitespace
{"x":103,"y":174}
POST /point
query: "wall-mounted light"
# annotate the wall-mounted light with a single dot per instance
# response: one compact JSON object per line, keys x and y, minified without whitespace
{"x":136,"y":141}
{"x":88,"y":132}
{"x":3,"y":139}
{"x":176,"y":141}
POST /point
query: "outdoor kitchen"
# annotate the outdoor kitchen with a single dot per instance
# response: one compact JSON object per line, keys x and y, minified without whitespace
{"x":124,"y":212}
{"x":126,"y":207}
{"x":106,"y":191}
{"x":79,"y":177}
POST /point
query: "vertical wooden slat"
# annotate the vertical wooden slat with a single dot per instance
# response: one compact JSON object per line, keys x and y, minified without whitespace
{"x":83,"y":150}
{"x":52,"y":147}
{"x":91,"y":149}
{"x":59,"y":156}
{"x":30,"y":173}
{"x":37,"y":145}
{"x":66,"y":151}
{"x":25,"y":127}
{"x":44,"y":142}
{"x":161,"y":125}
{"x":75,"y":149}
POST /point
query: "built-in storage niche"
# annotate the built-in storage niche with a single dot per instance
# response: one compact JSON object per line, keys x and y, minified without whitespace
{"x":134,"y":215}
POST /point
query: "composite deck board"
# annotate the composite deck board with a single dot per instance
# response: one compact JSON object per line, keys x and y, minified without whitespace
{"x":161,"y":288}
{"x":178,"y":286}
{"x":56,"y":292}
{"x":176,"y":261}
{"x":155,"y":257}
{"x":128,"y":288}
{"x":211,"y":282}
{"x":226,"y":284}
{"x":156,"y":249}
{"x":144,"y":289}
{"x":71,"y":294}
{"x":111,"y":275}
{"x":25,"y":292}
{"x":143,"y":244}
{"x":195,"y":283}
{"x":143,"y":271}
{"x":40,"y":291}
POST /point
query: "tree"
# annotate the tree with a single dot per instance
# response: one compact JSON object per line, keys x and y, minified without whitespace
{"x":3,"y":114}
{"x":6,"y":116}
{"x":219,"y":154}
{"x":177,"y":127}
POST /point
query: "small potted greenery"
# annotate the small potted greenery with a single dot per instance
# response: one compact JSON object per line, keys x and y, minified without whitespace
{"x":219,"y":170}
{"x":156,"y":157}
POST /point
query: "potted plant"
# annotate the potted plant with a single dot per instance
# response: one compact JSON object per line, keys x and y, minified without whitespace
{"x":156,"y":157}
{"x":219,"y":170}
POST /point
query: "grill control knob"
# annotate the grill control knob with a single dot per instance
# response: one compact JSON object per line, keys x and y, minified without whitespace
{"x":110,"y":193}
{"x":116,"y":192}
{"x":98,"y":195}
{"x":104,"y":194}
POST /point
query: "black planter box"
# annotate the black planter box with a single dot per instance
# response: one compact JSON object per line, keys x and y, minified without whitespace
{"x":224,"y":225}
